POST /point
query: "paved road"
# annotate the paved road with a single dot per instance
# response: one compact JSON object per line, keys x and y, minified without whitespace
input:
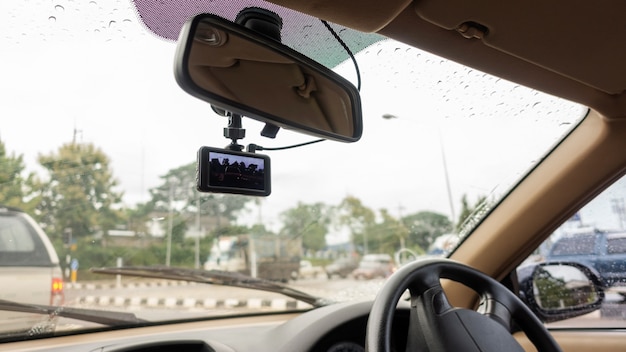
{"x":171,"y":300}
{"x":134,"y":290}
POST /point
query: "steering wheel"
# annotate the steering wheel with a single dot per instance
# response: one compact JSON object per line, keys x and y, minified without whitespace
{"x":434,"y":325}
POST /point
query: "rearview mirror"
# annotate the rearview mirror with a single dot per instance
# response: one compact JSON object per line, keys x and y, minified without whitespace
{"x":247,"y":73}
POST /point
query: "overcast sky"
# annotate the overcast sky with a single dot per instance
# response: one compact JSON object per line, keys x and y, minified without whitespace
{"x":113,"y":82}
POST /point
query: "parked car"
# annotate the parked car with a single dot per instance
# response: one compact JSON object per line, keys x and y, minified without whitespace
{"x":29,"y":268}
{"x":341,"y":267}
{"x":602,"y":251}
{"x":310,"y":271}
{"x":373,"y":266}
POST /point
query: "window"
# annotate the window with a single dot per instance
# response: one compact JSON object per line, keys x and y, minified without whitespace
{"x":594,"y":237}
{"x":574,"y":245}
{"x":14,"y":236}
{"x":20,"y":244}
{"x":616,"y":244}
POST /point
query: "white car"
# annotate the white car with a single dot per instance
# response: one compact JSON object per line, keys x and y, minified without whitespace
{"x":310,"y":271}
{"x":29,"y":268}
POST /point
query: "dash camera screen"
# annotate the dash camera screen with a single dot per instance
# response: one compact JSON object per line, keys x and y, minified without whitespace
{"x":236,"y":171}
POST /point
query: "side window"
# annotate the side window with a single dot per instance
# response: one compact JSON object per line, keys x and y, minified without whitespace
{"x":20,"y":245}
{"x":583,"y":244}
{"x":595,"y":237}
{"x":14,"y":236}
{"x":616,"y":244}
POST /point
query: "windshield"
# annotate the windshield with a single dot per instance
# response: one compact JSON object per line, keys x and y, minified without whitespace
{"x":98,"y":146}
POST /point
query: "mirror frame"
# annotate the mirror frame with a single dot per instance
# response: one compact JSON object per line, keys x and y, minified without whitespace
{"x":552,"y":315}
{"x":185,"y":81}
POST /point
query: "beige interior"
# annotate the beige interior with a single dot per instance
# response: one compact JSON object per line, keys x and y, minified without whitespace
{"x":570,"y":49}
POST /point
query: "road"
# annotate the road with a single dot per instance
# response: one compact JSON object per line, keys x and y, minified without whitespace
{"x":138,"y":292}
{"x":171,"y":300}
{"x":180,"y":300}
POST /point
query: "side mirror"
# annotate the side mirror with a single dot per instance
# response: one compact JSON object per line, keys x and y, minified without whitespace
{"x":247,"y":73}
{"x":558,"y":291}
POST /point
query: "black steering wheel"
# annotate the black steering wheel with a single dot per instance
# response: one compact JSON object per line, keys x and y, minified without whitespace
{"x":437,"y":326}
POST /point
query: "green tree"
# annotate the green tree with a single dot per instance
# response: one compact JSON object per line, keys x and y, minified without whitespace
{"x":179,"y":185}
{"x":79,"y":193}
{"x":468,"y":211}
{"x":389,"y":235}
{"x":14,"y":187}
{"x":425,"y":226}
{"x":359,"y":219}
{"x":232,"y":230}
{"x":309,"y":221}
{"x":179,"y":227}
{"x":260,"y":230}
{"x":138,"y":217}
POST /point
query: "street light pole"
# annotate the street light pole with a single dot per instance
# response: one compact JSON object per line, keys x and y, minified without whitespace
{"x":445,"y":167}
{"x":197,"y":244}
{"x":445,"y":171}
{"x":170,"y":225}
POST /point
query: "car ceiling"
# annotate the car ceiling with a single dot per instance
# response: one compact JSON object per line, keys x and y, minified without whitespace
{"x":572,"y":49}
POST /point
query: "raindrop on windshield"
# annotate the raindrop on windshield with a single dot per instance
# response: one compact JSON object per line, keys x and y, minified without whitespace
{"x":52,"y":19}
{"x":59,"y":8}
{"x":112,"y":24}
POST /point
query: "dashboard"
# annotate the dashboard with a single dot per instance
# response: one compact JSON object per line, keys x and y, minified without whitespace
{"x":335,"y":328}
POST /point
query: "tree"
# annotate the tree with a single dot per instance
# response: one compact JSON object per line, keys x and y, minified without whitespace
{"x":389,"y":235}
{"x":14,"y":188}
{"x":79,"y":193}
{"x":179,"y":184}
{"x":309,"y":221}
{"x":469,"y":211}
{"x":138,"y":217}
{"x":232,"y":230}
{"x":425,"y":226}
{"x":358,"y":218}
{"x":260,"y":230}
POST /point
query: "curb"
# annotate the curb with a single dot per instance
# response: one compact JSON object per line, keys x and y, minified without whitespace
{"x":189,"y":303}
{"x":130,"y":285}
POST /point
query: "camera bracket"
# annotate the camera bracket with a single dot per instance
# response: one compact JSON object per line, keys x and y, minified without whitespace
{"x":234,"y":131}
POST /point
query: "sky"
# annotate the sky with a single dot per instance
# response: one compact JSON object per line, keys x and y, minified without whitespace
{"x":90,"y":71}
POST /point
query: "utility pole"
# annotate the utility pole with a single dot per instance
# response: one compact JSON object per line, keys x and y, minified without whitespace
{"x":619,"y":209}
{"x":402,"y":239}
{"x":197,"y":261}
{"x":76,"y":132}
{"x":170,"y":223}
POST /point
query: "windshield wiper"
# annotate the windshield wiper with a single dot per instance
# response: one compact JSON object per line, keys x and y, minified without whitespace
{"x":91,"y":315}
{"x":215,"y":277}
